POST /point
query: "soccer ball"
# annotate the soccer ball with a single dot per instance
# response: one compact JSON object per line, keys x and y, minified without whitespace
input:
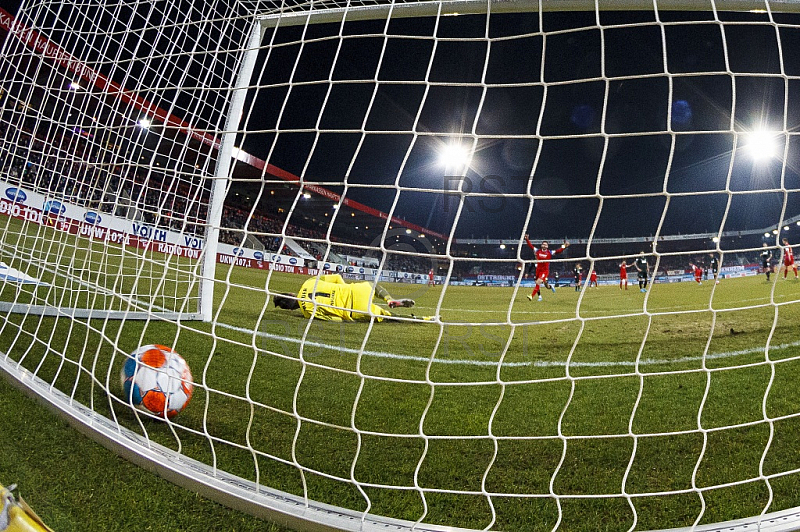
{"x":156,"y":379}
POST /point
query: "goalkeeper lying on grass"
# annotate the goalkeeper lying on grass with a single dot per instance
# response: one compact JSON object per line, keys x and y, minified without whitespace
{"x":331,"y":298}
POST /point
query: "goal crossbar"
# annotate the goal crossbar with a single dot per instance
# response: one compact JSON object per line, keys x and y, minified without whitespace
{"x":327,"y":12}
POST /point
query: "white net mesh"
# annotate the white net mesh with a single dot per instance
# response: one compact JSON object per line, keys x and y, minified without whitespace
{"x":159,"y":166}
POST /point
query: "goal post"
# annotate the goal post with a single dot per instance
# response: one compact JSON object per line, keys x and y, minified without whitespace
{"x":119,"y":190}
{"x":222,"y":171}
{"x":538,"y":248}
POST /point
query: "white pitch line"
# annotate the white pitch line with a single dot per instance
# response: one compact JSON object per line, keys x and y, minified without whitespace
{"x":537,"y":309}
{"x":534,"y":363}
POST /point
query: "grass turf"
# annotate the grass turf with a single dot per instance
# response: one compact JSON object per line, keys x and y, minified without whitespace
{"x":75,"y":484}
{"x":589,"y":409}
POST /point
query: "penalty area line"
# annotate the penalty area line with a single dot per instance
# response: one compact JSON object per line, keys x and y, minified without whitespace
{"x":532,"y":363}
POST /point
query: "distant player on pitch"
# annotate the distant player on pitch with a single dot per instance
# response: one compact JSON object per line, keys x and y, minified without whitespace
{"x":766,"y":260}
{"x":623,"y":275}
{"x":788,"y":259}
{"x":714,"y":267}
{"x":543,"y":256}
{"x":643,"y":271}
{"x":593,"y":279}
{"x":698,"y":273}
{"x":577,"y":271}
{"x":332,"y":299}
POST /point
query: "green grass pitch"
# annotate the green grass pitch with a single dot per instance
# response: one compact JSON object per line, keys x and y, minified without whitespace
{"x":575,"y":411}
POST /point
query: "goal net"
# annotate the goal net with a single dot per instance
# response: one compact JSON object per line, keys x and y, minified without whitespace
{"x":592,"y":206}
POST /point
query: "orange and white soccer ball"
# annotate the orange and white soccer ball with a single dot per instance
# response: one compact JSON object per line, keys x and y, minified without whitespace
{"x":158,"y":380}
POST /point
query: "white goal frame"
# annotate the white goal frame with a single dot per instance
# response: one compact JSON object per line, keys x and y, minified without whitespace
{"x":232,"y":491}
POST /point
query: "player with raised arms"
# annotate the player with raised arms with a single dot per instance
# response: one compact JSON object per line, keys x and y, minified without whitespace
{"x":543,"y":256}
{"x":332,"y":299}
{"x":788,"y":259}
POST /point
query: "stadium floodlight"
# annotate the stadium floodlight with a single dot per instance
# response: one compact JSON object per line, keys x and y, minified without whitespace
{"x":454,"y":157}
{"x":144,"y":123}
{"x":785,"y":227}
{"x":502,"y":246}
{"x":715,"y":239}
{"x":75,"y":86}
{"x":761,"y":144}
{"x":774,"y":231}
{"x":306,"y":195}
{"x":766,"y":235}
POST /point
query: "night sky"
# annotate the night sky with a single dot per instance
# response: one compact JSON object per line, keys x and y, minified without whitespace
{"x":417,"y":109}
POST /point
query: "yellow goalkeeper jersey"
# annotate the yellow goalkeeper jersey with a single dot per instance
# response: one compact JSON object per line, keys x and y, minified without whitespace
{"x":331,"y":298}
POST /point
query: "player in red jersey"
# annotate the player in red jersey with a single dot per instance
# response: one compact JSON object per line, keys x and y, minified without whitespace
{"x":593,"y":279}
{"x":623,"y":275}
{"x":698,"y":273}
{"x":788,"y":259}
{"x":543,"y":256}
{"x":431,"y":281}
